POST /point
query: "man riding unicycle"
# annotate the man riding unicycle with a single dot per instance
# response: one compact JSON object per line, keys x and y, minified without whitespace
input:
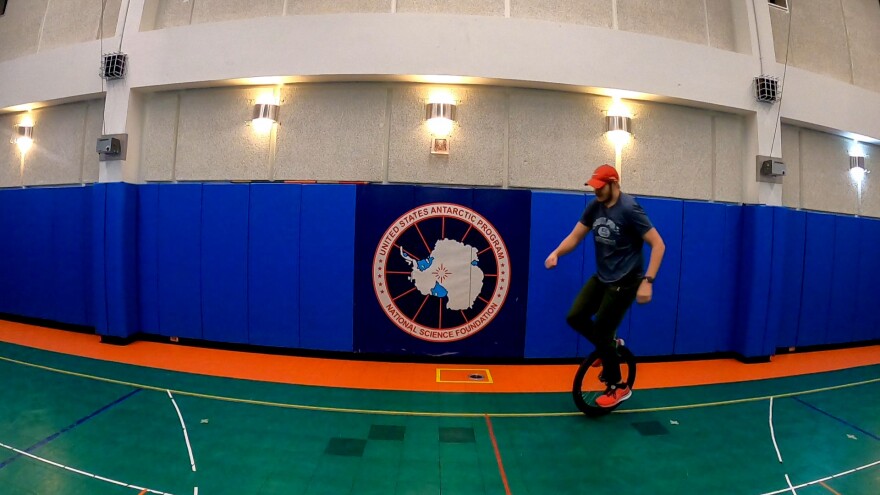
{"x":620,"y":228}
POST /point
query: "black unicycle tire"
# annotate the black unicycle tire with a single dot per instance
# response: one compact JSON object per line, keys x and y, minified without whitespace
{"x":626,"y":356}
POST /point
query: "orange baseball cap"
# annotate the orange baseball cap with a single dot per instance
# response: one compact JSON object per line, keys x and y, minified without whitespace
{"x":603,"y":175}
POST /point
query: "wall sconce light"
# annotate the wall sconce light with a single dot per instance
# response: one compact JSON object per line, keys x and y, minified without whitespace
{"x":857,"y":168}
{"x":618,"y":124}
{"x":618,"y":128}
{"x":440,"y":117}
{"x":264,"y":116}
{"x":24,"y":135}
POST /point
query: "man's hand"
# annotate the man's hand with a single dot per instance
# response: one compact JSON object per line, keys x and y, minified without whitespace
{"x":645,"y":293}
{"x":551,"y":261}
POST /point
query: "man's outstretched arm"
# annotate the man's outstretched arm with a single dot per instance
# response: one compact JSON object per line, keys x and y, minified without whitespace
{"x":568,"y":244}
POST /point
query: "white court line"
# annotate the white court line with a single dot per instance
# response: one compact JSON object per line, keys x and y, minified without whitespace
{"x":773,"y":434}
{"x":776,"y":446}
{"x":196,"y":491}
{"x":77,"y":471}
{"x":838,"y":475}
{"x":192,"y":461}
{"x":788,"y":480}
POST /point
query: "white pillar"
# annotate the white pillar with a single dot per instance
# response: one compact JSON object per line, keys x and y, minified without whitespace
{"x":123,"y":107}
{"x":764,"y":129}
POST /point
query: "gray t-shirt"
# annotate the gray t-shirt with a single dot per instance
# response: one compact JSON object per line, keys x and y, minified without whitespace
{"x":617,"y":233}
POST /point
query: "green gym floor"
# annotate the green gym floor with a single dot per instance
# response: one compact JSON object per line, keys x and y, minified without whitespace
{"x":72,"y":425}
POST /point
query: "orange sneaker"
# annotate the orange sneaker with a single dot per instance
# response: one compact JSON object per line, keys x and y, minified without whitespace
{"x":614,"y":395}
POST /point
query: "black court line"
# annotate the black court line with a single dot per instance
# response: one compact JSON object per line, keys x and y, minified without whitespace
{"x":866,"y":432}
{"x":69,"y":427}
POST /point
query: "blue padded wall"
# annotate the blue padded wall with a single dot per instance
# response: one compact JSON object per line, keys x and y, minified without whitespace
{"x":384,"y":204}
{"x":509,"y":212}
{"x":750,"y":335}
{"x":842,"y":304}
{"x":652,"y":326}
{"x":45,"y":262}
{"x":818,"y":273}
{"x":99,"y":279}
{"x":327,"y":267}
{"x":8,"y":253}
{"x":71,"y":257}
{"x":705,"y":315}
{"x":866,"y":325}
{"x":224,"y":267}
{"x":179,"y":254}
{"x":789,"y":242}
{"x":120,"y":260}
{"x":34,"y":274}
{"x":273,"y":264}
{"x":148,"y":258}
{"x":551,"y":292}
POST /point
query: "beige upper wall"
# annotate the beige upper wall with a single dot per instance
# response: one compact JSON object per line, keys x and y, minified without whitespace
{"x":227,"y":10}
{"x":307,"y":7}
{"x":863,"y":26}
{"x":521,"y":138}
{"x":588,"y":12}
{"x":37,"y":25}
{"x":63,"y":151}
{"x":817,"y":176}
{"x":869,"y":204}
{"x":837,"y":38}
{"x":346,"y":136}
{"x":677,"y":19}
{"x":709,"y":22}
{"x":840,"y":39}
{"x":502,"y":137}
{"x":20,"y":28}
{"x":10,"y":159}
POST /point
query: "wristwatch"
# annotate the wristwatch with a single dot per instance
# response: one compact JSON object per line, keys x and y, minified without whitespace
{"x":649,"y":279}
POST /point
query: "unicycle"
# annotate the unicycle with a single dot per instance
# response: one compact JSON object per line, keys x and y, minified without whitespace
{"x":588,"y":384}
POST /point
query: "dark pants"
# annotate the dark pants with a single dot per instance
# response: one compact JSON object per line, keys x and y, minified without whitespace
{"x":609,"y":303}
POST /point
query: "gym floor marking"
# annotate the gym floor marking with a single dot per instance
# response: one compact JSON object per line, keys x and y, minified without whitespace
{"x":832,"y":490}
{"x":192,"y":460}
{"x":773,"y":433}
{"x":464,"y":375}
{"x":776,"y":446}
{"x":788,"y":480}
{"x":502,"y":476}
{"x":77,"y":471}
{"x":838,"y":475}
{"x":71,"y":426}
{"x":381,"y":412}
{"x":497,"y":454}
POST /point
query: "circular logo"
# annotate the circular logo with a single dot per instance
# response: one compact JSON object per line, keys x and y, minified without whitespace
{"x":441,"y":272}
{"x":603,"y":231}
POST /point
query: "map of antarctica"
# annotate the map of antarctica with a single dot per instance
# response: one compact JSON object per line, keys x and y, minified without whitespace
{"x":451,"y":271}
{"x":441,"y":272}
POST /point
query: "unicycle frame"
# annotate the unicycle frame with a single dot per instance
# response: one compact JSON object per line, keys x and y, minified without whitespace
{"x":585,"y":405}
